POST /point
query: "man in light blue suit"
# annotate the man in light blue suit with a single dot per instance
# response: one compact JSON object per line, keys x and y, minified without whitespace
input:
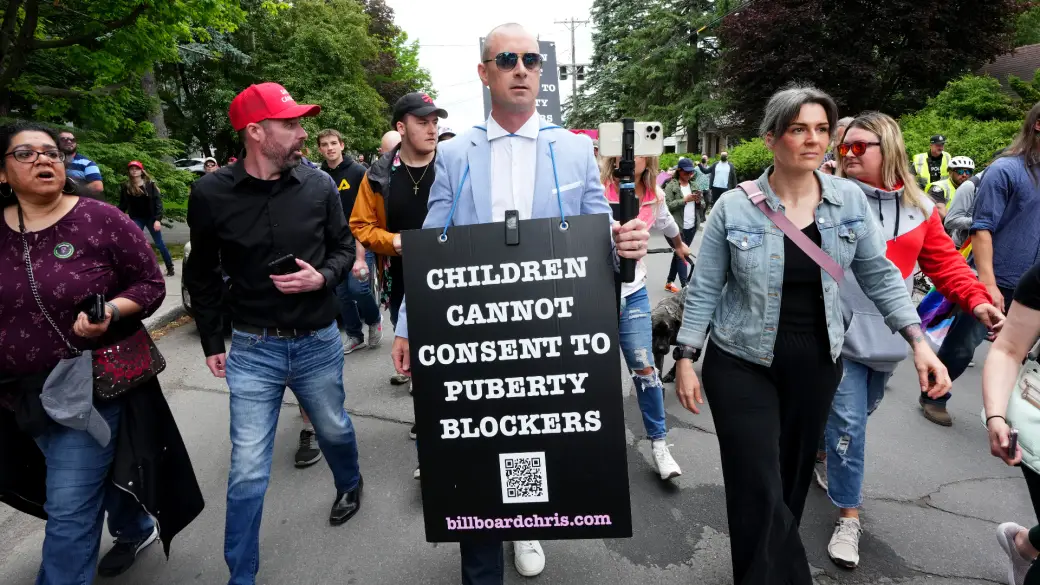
{"x":514,"y":162}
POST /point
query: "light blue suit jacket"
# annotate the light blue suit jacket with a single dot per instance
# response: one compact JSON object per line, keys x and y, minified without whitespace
{"x":575,"y":170}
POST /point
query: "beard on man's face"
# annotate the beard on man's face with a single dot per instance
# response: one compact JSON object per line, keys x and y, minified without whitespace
{"x":67,"y":147}
{"x":284,"y":157}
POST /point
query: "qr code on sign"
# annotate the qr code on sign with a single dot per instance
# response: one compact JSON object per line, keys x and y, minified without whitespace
{"x":523,"y":478}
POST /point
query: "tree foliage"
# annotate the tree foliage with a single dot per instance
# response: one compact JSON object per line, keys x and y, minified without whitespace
{"x":979,"y":98}
{"x":889,"y":56}
{"x":647,"y":63}
{"x":81,"y":60}
{"x":1027,"y":28}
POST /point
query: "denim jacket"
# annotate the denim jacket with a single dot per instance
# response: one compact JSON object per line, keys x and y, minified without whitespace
{"x":737,"y":283}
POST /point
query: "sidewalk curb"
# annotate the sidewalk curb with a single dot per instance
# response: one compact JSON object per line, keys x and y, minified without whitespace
{"x":160,"y":320}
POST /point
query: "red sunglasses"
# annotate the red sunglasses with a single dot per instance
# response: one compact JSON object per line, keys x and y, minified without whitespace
{"x":857,"y":148}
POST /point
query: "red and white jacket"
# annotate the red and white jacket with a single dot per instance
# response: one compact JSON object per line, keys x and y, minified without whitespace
{"x":915,"y":237}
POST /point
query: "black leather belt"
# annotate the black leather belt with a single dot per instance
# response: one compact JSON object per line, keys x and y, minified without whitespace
{"x":280,"y":332}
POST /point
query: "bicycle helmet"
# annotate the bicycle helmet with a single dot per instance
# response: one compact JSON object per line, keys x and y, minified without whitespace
{"x":962,"y":162}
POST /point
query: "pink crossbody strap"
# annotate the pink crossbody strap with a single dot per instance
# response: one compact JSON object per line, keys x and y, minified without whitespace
{"x":758,"y":199}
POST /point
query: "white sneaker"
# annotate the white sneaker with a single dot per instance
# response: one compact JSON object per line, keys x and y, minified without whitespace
{"x":415,"y":474}
{"x":351,"y":344}
{"x":663,"y":461}
{"x":375,"y":335}
{"x":1019,"y":565}
{"x":844,"y":545}
{"x":528,"y":557}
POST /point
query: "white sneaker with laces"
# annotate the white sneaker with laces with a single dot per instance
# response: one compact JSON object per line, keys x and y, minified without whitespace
{"x":1019,"y":565}
{"x":844,"y":545}
{"x":664,"y":462}
{"x":528,"y":557}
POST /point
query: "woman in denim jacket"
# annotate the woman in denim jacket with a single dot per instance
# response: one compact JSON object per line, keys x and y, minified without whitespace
{"x":773,"y":362}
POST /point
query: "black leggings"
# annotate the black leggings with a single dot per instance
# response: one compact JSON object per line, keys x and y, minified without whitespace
{"x":1033,"y":483}
{"x":678,"y":267}
{"x":768,"y":421}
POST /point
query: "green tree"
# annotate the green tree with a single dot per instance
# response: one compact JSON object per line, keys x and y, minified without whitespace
{"x":1027,"y":28}
{"x":975,"y":97}
{"x":395,"y":70}
{"x":81,"y":60}
{"x":889,"y":56}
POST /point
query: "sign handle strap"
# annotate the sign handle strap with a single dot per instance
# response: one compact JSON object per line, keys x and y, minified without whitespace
{"x":556,"y":179}
{"x":444,"y":235}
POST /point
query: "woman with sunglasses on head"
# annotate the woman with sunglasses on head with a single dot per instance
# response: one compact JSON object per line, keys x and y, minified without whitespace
{"x":139,"y":197}
{"x":635,"y":330}
{"x":129,"y":461}
{"x":773,"y":360}
{"x":872,"y":155}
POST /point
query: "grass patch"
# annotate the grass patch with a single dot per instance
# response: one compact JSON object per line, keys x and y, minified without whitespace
{"x":176,"y":250}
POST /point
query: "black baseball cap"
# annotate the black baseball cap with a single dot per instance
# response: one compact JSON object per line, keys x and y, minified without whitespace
{"x":938,"y":139}
{"x":418,"y":104}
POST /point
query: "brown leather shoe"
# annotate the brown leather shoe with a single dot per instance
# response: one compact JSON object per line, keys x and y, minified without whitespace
{"x":936,"y":413}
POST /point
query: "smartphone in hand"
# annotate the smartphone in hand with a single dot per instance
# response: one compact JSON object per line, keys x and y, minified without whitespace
{"x":284,"y":265}
{"x":94,"y":308}
{"x":1013,"y":444}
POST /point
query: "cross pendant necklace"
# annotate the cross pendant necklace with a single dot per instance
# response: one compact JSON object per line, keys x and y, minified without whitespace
{"x":415,"y":184}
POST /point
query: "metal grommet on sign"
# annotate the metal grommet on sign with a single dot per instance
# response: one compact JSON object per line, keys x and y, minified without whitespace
{"x":442,"y":238}
{"x":564,"y":225}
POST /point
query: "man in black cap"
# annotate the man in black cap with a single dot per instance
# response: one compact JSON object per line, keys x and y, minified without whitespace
{"x":932,"y":166}
{"x":394,"y":193}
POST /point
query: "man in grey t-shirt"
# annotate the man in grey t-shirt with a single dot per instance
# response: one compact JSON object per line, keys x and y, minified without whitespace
{"x":958,"y":218}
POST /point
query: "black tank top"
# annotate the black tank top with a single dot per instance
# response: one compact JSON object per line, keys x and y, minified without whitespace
{"x":801,"y":300}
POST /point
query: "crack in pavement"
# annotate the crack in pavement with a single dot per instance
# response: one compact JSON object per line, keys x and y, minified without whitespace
{"x":925,"y":501}
{"x":951,"y":576}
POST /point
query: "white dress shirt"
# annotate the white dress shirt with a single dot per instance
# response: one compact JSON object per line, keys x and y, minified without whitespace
{"x":513,"y":167}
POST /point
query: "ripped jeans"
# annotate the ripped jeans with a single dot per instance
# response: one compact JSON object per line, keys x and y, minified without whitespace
{"x":636,"y":338}
{"x":859,"y":394}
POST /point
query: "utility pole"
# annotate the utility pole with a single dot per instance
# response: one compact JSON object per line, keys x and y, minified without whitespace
{"x":573,"y":66}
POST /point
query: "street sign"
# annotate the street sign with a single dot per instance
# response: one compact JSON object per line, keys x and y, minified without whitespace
{"x":548,"y":101}
{"x":513,"y":336}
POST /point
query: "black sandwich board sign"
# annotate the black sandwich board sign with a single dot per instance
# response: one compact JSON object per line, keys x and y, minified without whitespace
{"x":517,"y":385}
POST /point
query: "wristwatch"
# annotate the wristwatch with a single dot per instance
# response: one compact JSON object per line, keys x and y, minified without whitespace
{"x":685,"y":352}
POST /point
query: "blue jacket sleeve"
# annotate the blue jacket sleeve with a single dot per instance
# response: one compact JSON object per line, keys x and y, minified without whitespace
{"x":709,"y":278}
{"x":991,"y":199}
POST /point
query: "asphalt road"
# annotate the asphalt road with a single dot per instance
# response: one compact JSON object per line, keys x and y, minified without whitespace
{"x":933,"y":497}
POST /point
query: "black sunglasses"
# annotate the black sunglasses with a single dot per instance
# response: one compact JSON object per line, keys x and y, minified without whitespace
{"x":507,"y":61}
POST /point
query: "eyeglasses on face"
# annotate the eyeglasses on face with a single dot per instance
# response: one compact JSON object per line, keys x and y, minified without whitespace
{"x":962,"y":171}
{"x":67,"y":139}
{"x":211,"y":164}
{"x":507,"y":61}
{"x":857,"y":148}
{"x":30,"y":156}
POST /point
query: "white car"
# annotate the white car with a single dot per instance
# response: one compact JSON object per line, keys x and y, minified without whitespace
{"x":193,"y":165}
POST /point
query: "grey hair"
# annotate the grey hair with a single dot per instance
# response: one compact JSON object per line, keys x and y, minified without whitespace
{"x":509,"y":26}
{"x":786,"y":104}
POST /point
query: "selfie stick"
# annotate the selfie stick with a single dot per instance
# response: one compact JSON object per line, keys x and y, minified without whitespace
{"x":627,"y":194}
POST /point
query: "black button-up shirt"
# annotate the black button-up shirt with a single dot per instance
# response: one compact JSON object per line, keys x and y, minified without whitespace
{"x":242,"y":224}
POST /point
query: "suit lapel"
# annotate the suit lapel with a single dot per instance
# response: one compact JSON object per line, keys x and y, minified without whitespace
{"x":479,"y":160}
{"x":545,"y":204}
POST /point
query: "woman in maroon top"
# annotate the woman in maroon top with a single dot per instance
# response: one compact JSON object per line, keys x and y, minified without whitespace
{"x":78,"y":248}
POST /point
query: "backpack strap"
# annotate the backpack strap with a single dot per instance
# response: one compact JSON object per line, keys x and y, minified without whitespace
{"x":824,"y":261}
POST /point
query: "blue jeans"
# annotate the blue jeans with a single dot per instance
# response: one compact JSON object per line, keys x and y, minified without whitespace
{"x":356,"y":302}
{"x":859,"y":394}
{"x":157,"y":238}
{"x":78,"y":495}
{"x":259,"y":368}
{"x":636,"y":338}
{"x":958,"y":349}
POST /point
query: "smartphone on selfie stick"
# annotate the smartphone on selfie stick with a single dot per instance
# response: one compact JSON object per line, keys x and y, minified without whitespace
{"x":622,"y":140}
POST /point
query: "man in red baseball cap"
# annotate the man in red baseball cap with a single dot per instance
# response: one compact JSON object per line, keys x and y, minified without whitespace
{"x":277,"y":229}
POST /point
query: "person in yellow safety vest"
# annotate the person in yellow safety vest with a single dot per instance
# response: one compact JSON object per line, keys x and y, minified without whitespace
{"x":941,"y":192}
{"x":932,"y":166}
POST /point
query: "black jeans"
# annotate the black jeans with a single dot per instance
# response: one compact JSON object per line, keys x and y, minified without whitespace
{"x":679,"y":266}
{"x":482,"y":563}
{"x":714,"y":194}
{"x":768,"y":422}
{"x":958,"y":349}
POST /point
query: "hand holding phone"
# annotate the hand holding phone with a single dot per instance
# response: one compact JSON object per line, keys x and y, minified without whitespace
{"x":94,"y":308}
{"x":1012,"y":443}
{"x":284,"y":265}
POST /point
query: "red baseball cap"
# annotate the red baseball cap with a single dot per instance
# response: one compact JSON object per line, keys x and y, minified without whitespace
{"x":266,"y":101}
{"x":135,"y":163}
